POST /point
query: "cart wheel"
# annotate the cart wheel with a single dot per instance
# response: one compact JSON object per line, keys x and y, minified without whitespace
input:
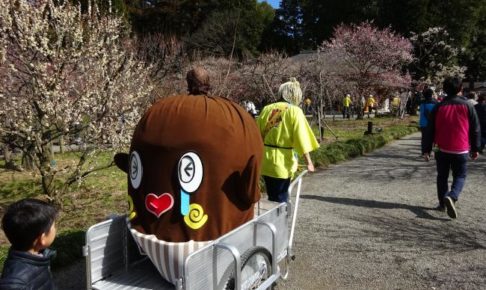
{"x":256,"y":268}
{"x":284,"y":267}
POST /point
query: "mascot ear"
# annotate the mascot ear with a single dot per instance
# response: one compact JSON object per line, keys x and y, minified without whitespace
{"x":250,"y":177}
{"x":121,"y":161}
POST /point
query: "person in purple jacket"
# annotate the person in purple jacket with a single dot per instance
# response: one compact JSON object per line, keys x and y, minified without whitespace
{"x":454,"y":129}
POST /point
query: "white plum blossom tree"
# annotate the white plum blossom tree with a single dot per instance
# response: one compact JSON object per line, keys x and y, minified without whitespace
{"x":66,"y":73}
{"x":435,"y":56}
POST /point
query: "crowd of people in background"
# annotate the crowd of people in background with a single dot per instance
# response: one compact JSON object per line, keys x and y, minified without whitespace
{"x":452,"y":122}
{"x":419,"y":101}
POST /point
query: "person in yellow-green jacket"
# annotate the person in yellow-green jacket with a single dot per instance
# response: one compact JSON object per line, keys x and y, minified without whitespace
{"x":347,"y":106}
{"x":370,"y":105}
{"x":285,"y":133}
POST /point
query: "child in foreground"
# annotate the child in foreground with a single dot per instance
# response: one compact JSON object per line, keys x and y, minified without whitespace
{"x":29,"y":225}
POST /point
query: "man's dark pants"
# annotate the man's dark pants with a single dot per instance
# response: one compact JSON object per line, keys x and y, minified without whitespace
{"x":277,"y":188}
{"x":446,"y":162}
{"x":346,"y":112}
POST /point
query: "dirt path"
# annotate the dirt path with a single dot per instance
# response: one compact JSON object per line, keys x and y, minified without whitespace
{"x":367,"y":224}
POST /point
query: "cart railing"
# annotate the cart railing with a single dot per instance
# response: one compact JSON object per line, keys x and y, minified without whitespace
{"x":296,"y":185}
{"x":269,"y":231}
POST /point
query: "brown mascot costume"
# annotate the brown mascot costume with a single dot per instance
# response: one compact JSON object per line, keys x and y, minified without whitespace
{"x":193,"y":172}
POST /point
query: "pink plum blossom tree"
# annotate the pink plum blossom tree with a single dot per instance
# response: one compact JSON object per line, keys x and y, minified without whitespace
{"x":363,"y":59}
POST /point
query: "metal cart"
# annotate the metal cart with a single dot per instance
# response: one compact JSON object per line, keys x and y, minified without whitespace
{"x":253,"y":256}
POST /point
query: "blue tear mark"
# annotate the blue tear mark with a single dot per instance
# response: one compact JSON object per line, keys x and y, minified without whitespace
{"x":184,"y":203}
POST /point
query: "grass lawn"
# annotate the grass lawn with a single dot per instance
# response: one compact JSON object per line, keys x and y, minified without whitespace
{"x":104,"y":192}
{"x":353,"y":129}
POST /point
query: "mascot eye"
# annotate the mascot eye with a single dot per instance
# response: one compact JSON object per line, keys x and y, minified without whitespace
{"x":190,"y":172}
{"x":135,"y":170}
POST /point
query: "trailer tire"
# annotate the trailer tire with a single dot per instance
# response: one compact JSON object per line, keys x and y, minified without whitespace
{"x":256,"y":262}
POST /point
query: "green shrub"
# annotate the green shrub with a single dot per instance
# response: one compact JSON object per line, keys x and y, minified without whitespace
{"x":342,"y":150}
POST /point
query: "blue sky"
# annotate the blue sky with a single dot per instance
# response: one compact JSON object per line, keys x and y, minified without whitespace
{"x":274,"y":3}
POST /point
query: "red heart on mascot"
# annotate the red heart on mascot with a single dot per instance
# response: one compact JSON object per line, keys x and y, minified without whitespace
{"x":157,"y":205}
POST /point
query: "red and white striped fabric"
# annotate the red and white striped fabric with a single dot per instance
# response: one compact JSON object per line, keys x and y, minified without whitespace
{"x":167,"y":257}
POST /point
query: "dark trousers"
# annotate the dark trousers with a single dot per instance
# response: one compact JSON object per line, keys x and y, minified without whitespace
{"x":423,"y":130}
{"x":446,"y":162}
{"x":346,"y":112}
{"x":277,"y":188}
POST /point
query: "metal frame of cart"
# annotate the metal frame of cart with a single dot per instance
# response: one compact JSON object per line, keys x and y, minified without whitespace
{"x":114,"y":261}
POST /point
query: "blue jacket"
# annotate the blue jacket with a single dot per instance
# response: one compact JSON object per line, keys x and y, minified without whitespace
{"x":481,"y":112}
{"x":425,"y":109}
{"x":24,"y":271}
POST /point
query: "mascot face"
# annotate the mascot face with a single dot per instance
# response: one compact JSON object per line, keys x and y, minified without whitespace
{"x":193,"y":169}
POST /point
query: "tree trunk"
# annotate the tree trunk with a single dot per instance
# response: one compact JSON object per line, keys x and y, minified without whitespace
{"x":359,"y":112}
{"x":320,"y":118}
{"x":61,"y":144}
{"x":28,"y":160}
{"x":8,"y":157}
{"x":46,"y":162}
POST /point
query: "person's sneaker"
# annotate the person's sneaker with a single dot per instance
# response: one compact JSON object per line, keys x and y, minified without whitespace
{"x":440,"y":208}
{"x":451,"y":209}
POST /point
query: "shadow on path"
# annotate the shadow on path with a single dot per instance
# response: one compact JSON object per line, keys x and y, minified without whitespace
{"x":419,"y":211}
{"x":444,"y":236}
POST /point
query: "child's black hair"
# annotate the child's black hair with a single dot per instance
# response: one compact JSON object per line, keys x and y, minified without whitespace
{"x":481,"y":97}
{"x":26,"y":220}
{"x":452,"y":86}
{"x":428,"y":93}
{"x":471,"y":95}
